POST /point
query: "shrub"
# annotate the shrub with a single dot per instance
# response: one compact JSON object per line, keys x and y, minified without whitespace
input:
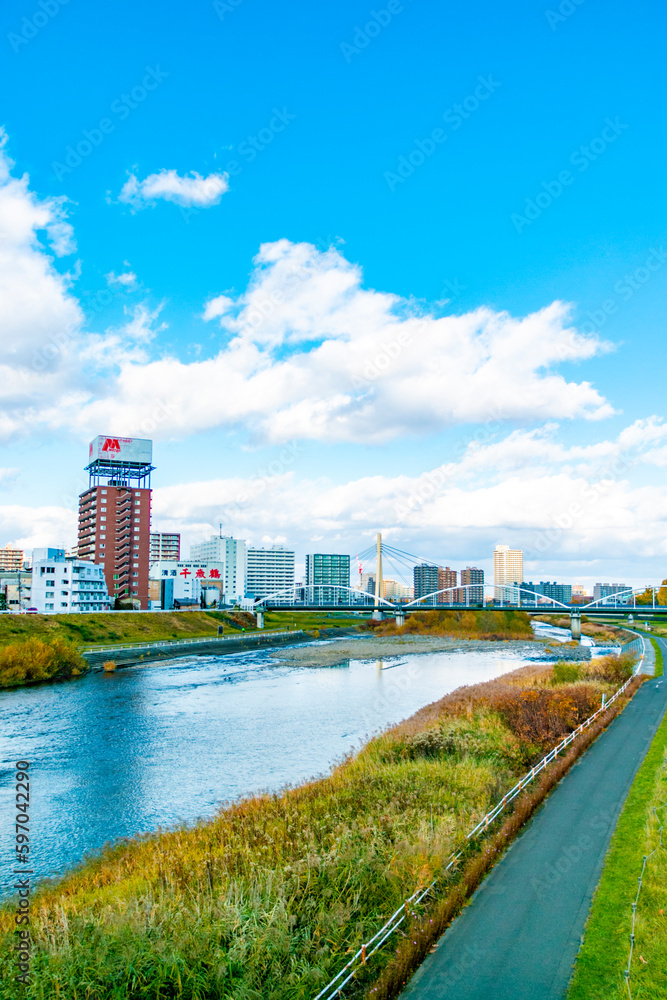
{"x":33,"y":660}
{"x":566,"y":673}
{"x":542,"y":717}
{"x":612,"y":669}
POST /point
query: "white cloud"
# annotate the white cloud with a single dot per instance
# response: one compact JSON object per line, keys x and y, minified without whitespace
{"x":189,"y":190}
{"x":309,"y":353}
{"x":577,"y":504}
{"x":36,"y":527}
{"x":126,"y":279}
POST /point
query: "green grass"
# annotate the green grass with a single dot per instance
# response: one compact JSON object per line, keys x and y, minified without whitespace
{"x":598,"y":972}
{"x":658,"y":658}
{"x":104,"y":629}
{"x":267,"y":899}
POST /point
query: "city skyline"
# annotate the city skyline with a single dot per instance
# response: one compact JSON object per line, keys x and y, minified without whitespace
{"x":334,"y":315}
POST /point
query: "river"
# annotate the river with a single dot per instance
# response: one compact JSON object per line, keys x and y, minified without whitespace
{"x":112,"y":755}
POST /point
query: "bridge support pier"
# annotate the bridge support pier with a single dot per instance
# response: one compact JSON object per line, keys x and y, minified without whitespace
{"x":260,"y":619}
{"x":400,"y":618}
{"x":378,"y":616}
{"x":575,"y":625}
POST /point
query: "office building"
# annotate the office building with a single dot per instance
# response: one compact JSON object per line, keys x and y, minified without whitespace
{"x":472,"y":579}
{"x":165,"y":548}
{"x":63,"y":585}
{"x":233,"y":553}
{"x":602,"y":590}
{"x":447,"y":581}
{"x":185,"y":584}
{"x":11,"y":560}
{"x":115,"y":515}
{"x":425,"y":577}
{"x":507,"y":573}
{"x":269,"y":571}
{"x":326,"y":571}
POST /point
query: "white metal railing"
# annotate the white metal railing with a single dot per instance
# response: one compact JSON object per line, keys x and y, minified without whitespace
{"x":173,"y":643}
{"x":359,"y":959}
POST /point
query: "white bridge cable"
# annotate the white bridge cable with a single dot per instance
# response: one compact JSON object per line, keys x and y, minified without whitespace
{"x":361,"y":956}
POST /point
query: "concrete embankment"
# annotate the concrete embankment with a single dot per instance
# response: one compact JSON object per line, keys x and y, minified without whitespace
{"x":128,"y":656}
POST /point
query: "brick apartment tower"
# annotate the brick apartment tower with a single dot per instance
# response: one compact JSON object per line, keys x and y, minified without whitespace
{"x":115,"y":515}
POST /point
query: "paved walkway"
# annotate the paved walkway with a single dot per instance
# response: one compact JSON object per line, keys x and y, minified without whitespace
{"x":518,"y":938}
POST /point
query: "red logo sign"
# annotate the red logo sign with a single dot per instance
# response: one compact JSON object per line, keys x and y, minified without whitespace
{"x":186,"y":573}
{"x":200,"y":573}
{"x":215,"y":574}
{"x":111,"y":445}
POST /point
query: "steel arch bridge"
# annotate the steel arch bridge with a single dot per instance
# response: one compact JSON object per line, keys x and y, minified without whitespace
{"x":490,"y":597}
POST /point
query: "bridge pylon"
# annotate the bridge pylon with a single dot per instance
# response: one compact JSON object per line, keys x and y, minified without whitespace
{"x":575,"y":624}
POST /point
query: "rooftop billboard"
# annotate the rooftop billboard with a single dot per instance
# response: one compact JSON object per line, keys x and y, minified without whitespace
{"x":107,"y":448}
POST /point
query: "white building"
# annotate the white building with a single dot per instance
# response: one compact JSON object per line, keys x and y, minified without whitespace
{"x":232,"y":552}
{"x":507,"y":571}
{"x":269,"y":570}
{"x":63,"y":585}
{"x":170,"y":583}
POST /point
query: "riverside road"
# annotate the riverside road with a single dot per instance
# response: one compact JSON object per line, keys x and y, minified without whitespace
{"x":518,"y":939}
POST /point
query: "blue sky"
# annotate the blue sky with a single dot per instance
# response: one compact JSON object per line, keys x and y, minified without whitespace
{"x":338,"y":99}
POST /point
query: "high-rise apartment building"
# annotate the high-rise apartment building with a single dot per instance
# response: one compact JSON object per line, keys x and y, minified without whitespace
{"x":507,"y":573}
{"x":165,"y":548}
{"x":561,"y":592}
{"x":269,"y":571}
{"x":233,"y":553}
{"x":325,"y":571}
{"x":115,"y":515}
{"x":425,"y":577}
{"x":11,"y":559}
{"x":472,"y":579}
{"x":446,"y":581}
{"x":602,"y":590}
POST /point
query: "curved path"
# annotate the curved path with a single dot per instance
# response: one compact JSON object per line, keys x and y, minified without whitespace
{"x":519,"y":936}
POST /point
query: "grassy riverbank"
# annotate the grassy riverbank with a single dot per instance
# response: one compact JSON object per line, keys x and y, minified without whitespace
{"x":121,"y":626}
{"x":598,"y":973}
{"x":267,"y":899}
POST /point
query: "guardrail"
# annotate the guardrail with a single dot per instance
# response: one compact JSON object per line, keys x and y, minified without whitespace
{"x":177,"y":643}
{"x":359,"y":959}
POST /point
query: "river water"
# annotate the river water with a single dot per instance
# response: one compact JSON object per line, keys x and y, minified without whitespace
{"x":112,"y":755}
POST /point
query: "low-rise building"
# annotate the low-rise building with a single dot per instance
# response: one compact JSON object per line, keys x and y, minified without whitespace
{"x":173,"y":584}
{"x":63,"y":585}
{"x":621,"y":591}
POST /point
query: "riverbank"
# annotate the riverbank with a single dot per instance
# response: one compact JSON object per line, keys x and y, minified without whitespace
{"x":374,"y":647}
{"x":270,"y":896}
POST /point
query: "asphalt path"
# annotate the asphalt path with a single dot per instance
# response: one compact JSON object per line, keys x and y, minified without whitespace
{"x":519,"y":936}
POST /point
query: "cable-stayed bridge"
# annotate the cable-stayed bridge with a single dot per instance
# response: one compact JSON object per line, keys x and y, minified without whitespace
{"x":490,"y":597}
